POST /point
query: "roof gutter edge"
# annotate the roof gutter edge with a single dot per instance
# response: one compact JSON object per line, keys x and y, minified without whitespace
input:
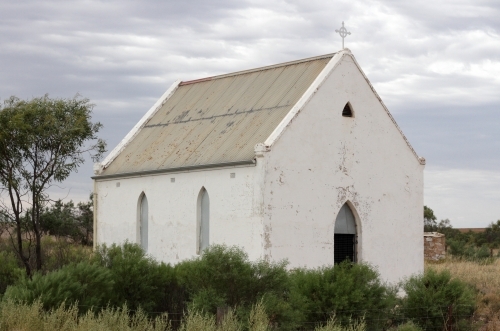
{"x":178,"y":169}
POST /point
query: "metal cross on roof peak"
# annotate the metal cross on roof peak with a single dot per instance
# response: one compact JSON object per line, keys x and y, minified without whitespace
{"x":343,"y":33}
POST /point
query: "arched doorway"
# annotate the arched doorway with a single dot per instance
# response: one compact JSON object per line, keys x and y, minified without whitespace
{"x":344,"y":247}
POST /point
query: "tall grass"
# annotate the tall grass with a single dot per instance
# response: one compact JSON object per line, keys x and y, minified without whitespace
{"x":32,"y":317}
{"x":333,"y":325}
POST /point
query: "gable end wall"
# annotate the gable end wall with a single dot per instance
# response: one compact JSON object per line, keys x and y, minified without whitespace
{"x":323,"y":160}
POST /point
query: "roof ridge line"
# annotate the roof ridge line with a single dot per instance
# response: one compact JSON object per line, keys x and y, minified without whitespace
{"x":236,"y":73}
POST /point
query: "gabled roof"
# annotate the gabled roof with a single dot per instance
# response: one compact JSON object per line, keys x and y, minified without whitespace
{"x":215,"y":120}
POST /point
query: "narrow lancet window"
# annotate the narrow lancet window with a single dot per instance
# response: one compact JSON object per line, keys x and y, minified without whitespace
{"x":347,"y":112}
{"x":345,"y":236}
{"x":203,"y":220}
{"x":143,"y":222}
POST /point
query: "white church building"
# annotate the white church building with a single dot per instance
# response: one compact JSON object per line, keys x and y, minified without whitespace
{"x":299,"y":161}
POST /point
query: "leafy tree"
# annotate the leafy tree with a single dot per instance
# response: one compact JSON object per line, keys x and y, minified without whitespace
{"x":430,"y":224}
{"x":58,"y":220}
{"x":69,"y":221}
{"x":445,"y":227}
{"x":85,"y":220}
{"x":42,"y":141}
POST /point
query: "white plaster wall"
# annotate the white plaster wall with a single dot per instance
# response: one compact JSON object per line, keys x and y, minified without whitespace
{"x":323,"y":160}
{"x":235,"y":213}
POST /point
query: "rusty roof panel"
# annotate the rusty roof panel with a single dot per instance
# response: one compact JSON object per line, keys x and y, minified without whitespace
{"x":218,"y":119}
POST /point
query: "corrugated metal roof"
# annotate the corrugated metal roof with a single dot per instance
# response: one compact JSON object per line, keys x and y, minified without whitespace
{"x":218,"y":119}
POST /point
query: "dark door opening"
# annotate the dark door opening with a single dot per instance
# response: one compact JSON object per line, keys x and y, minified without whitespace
{"x":343,"y":247}
{"x":344,"y":238}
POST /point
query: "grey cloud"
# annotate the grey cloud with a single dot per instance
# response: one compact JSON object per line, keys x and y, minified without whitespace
{"x":124,"y":54}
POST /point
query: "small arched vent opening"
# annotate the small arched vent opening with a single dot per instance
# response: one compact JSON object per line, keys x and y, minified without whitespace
{"x":347,"y":112}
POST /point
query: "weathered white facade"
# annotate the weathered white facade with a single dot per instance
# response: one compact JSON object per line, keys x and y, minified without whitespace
{"x":282,"y":201}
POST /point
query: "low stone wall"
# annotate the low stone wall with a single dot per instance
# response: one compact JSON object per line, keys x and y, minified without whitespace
{"x":434,"y":246}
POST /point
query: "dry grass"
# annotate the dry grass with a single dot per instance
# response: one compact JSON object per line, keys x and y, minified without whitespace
{"x":332,"y":325}
{"x":485,"y":278}
{"x":31,"y":317}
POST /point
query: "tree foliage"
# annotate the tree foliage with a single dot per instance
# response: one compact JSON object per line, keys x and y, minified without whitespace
{"x":42,"y":141}
{"x":67,"y":220}
{"x":491,"y":236}
{"x":429,"y":220}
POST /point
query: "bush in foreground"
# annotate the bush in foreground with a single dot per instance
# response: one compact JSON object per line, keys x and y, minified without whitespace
{"x":225,"y":277}
{"x":139,"y":280}
{"x":86,"y":284}
{"x":347,"y":291}
{"x":434,"y":299}
{"x":9,"y":270}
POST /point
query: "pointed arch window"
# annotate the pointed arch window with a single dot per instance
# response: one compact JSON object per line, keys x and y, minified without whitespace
{"x":344,"y":236}
{"x":143,"y":222}
{"x":347,"y":111}
{"x":203,"y":228}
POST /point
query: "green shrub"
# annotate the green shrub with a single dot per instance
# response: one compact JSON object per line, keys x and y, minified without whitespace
{"x":139,"y":281}
{"x":89,"y":285}
{"x":483,"y":252}
{"x":348,"y":291}
{"x":9,"y":271}
{"x":433,"y":298}
{"x":469,"y":252}
{"x":224,"y":276}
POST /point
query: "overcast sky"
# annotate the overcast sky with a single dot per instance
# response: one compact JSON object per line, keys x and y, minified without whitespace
{"x":436,"y":65}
